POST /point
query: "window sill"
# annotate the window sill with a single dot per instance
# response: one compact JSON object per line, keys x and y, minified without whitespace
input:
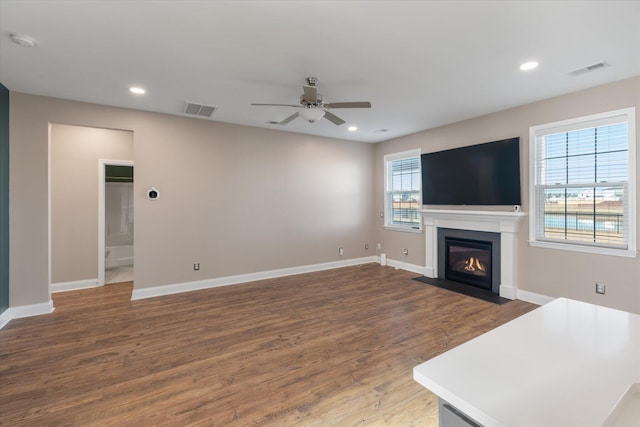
{"x":403,"y":229}
{"x":628,"y":253}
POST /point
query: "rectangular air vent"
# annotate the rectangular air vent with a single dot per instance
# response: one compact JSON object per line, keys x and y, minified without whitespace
{"x":199,"y":109}
{"x":588,"y":69}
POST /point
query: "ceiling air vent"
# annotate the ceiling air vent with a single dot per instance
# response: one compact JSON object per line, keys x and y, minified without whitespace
{"x":588,"y":69}
{"x":199,"y":109}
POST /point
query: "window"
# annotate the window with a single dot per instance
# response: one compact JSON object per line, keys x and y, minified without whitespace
{"x":582,"y":193}
{"x":402,"y":191}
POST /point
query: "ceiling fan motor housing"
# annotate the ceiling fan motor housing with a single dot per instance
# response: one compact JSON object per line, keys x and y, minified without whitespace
{"x":309,"y":103}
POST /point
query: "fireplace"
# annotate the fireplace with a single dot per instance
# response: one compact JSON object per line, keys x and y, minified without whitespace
{"x":502,"y":225}
{"x":470,"y":257}
{"x":468,"y":261}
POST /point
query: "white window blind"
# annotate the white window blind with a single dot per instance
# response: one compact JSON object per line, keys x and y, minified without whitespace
{"x":582,"y":192}
{"x":402,"y":194}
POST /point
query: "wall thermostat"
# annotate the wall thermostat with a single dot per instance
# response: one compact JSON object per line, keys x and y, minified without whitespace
{"x":153,"y":194}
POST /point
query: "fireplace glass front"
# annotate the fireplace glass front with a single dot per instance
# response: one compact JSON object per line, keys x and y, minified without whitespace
{"x":468,"y":261}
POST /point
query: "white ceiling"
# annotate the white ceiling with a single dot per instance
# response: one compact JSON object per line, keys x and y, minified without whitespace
{"x":422,"y":64}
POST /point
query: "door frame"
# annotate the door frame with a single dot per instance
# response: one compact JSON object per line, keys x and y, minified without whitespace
{"x":102,"y":163}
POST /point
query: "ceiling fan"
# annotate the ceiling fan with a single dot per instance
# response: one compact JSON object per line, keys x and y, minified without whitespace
{"x":313,"y":107}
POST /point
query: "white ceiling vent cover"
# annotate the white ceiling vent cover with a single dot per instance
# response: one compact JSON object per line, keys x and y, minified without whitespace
{"x":199,"y":109}
{"x":588,"y":69}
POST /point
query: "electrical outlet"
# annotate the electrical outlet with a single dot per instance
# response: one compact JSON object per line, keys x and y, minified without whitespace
{"x":601,"y":288}
{"x":379,"y":247}
{"x":341,"y":251}
{"x":366,"y":246}
{"x":406,"y":252}
{"x":196,"y":266}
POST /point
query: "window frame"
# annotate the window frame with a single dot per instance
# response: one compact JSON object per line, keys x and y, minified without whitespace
{"x":388,"y":159}
{"x":600,"y":119}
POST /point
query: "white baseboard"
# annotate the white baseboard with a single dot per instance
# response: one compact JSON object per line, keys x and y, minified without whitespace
{"x":74,"y":286}
{"x":5,"y":317}
{"x":119,"y":263}
{"x":508,"y":292}
{"x":534,"y":298}
{"x":406,"y":266}
{"x":46,"y":308}
{"x":25,"y":311}
{"x":31,"y":310}
{"x":429,"y":272}
{"x":176,"y":288}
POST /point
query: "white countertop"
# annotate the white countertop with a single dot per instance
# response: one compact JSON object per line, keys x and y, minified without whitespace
{"x":564,"y":364}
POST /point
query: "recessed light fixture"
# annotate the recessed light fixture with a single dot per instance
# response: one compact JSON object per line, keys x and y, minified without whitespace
{"x":352,"y":128}
{"x":137,"y":90}
{"x":529,"y":65}
{"x":23,"y":41}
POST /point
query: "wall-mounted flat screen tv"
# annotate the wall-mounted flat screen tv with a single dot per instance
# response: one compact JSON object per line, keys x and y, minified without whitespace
{"x":483,"y":174}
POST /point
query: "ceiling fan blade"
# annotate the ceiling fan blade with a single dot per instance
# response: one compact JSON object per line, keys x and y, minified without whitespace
{"x":365,"y":104}
{"x":310,"y":93}
{"x":288,"y":119}
{"x":333,"y":118}
{"x":278,"y":105}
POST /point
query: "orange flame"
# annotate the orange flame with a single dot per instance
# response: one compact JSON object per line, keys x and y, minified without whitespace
{"x":473,"y":264}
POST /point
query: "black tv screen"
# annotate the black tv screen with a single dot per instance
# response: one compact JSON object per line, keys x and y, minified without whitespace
{"x":483,"y":174}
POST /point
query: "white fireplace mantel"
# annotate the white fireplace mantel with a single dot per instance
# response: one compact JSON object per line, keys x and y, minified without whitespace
{"x":505,"y":223}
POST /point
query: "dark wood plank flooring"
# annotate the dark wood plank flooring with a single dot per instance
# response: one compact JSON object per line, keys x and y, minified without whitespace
{"x":328,"y":348}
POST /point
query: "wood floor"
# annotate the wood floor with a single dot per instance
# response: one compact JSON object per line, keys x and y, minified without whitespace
{"x":333,"y":348}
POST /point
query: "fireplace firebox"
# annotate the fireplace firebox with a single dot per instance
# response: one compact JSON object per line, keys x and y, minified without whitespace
{"x":468,"y":261}
{"x":469,"y":257}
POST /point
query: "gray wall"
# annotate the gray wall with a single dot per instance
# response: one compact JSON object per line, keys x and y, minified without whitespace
{"x":75,"y":152}
{"x":242,"y":200}
{"x":548,"y":272}
{"x":233,"y":198}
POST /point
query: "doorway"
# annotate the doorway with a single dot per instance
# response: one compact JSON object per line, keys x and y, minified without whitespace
{"x":76,"y":194}
{"x":115,"y":221}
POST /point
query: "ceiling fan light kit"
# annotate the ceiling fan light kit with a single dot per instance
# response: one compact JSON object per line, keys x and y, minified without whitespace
{"x":313,"y":107}
{"x":311,"y":114}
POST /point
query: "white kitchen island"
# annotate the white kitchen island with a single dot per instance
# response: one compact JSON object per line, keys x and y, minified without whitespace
{"x":567,"y":363}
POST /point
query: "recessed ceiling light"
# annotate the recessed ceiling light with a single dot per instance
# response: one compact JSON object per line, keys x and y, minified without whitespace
{"x":137,"y":90}
{"x":23,"y":41}
{"x":529,"y":66}
{"x":352,"y":128}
